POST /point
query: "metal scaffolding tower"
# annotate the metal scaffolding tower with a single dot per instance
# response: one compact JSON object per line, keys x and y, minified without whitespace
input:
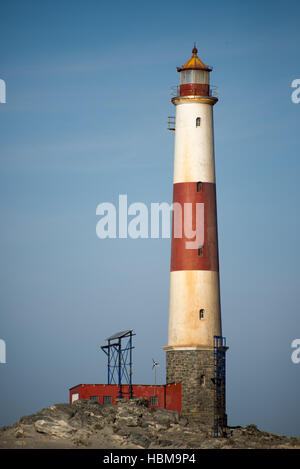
{"x":219,"y":428}
{"x":119,"y":360}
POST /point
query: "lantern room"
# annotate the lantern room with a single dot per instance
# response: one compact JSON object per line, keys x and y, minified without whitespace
{"x":194,"y":77}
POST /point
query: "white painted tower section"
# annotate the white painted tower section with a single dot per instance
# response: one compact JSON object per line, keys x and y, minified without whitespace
{"x":194,"y":146}
{"x":190,"y":291}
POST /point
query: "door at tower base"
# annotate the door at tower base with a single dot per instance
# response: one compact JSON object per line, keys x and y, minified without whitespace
{"x":195,"y":369}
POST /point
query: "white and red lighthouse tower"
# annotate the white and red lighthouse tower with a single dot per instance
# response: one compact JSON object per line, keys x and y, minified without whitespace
{"x":195,"y":337}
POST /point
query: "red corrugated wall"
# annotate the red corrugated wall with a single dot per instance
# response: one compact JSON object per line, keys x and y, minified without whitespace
{"x":169,"y":396}
{"x":173,"y":397}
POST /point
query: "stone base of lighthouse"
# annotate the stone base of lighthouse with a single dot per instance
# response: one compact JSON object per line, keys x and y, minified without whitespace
{"x":195,"y":370}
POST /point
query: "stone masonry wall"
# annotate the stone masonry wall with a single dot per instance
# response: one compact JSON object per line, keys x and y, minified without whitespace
{"x":196,"y":371}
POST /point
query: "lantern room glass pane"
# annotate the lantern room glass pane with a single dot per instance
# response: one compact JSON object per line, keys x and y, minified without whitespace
{"x":189,"y":76}
{"x":186,"y":76}
{"x":194,"y":76}
{"x":201,"y":76}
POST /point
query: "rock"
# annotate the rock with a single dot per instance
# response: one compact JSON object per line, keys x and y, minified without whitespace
{"x":54,"y":428}
{"x":128,"y":424}
{"x":19,"y":433}
{"x":251,"y":429}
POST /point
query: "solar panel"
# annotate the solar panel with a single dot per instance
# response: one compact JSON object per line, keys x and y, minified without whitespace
{"x":119,"y":335}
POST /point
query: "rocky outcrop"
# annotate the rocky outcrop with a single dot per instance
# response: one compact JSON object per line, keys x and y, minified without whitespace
{"x":129,"y":424}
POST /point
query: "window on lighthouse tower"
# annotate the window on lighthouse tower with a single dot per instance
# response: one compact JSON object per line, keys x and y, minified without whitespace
{"x":198,"y":121}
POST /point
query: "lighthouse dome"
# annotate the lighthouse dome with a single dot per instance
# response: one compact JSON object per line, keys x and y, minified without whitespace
{"x":194,"y":63}
{"x":194,"y":76}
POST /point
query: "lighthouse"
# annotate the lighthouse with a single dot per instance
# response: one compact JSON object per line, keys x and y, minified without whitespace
{"x":195,"y":354}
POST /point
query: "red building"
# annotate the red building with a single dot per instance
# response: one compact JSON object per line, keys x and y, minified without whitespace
{"x":167,"y":396}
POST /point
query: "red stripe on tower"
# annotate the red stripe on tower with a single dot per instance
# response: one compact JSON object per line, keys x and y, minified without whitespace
{"x":204,"y":257}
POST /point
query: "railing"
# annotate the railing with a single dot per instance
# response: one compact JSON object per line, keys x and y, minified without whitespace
{"x":171,"y":122}
{"x":214,"y":91}
{"x":175,"y":91}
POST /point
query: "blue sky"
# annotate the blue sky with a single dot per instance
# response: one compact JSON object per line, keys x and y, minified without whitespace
{"x":85,"y":120}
